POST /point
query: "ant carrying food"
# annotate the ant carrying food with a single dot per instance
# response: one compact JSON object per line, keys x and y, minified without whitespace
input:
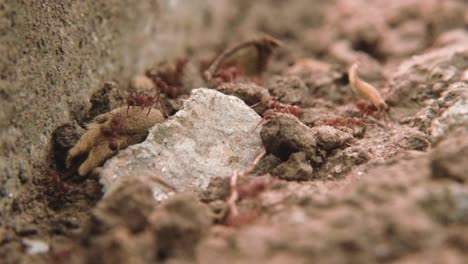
{"x":368,"y":92}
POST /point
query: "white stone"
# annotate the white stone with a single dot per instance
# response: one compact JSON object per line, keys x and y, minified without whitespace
{"x":35,"y":246}
{"x":211,"y":136}
{"x":455,"y":115}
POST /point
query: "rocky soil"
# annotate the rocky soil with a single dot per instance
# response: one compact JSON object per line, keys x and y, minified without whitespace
{"x":336,"y":182}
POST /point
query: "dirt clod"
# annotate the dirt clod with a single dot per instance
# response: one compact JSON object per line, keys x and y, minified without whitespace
{"x":178,"y":225}
{"x":296,"y":168}
{"x":450,"y":158}
{"x":329,"y":138}
{"x":251,"y":93}
{"x":284,"y":134}
{"x":288,"y":89}
{"x":129,"y":206}
{"x":104,"y":100}
{"x":410,"y":138}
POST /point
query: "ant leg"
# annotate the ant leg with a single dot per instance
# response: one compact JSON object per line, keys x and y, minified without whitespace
{"x":130,"y":95}
{"x":156,"y":95}
{"x":364,"y":115}
{"x":259,"y":123}
{"x":173,"y":91}
{"x":149,"y":110}
{"x":163,"y":106}
{"x":254,"y":105}
{"x":385,"y":120}
{"x":128,"y":107}
{"x":161,"y":103}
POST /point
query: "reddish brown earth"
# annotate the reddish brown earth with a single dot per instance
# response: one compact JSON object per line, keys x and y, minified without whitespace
{"x":334,"y":187}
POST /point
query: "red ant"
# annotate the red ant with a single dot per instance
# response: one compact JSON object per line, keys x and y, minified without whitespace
{"x":347,"y":122}
{"x":143,"y":100}
{"x":57,"y":182}
{"x":368,"y":92}
{"x":368,"y":109}
{"x":228,"y":73}
{"x":365,"y":108}
{"x":253,"y":188}
{"x":278,"y":107}
{"x":61,"y":255}
{"x":172,"y":76}
{"x":169,"y":80}
{"x":225,"y":74}
{"x":264,"y":47}
{"x":171,"y":90}
{"x":115,"y":126}
{"x":247,"y":190}
{"x":240,"y":219}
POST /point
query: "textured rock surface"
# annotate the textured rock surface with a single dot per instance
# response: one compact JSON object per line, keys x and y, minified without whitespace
{"x":373,"y":200}
{"x":455,"y":111}
{"x":210,"y":136}
{"x":450,"y":158}
{"x":428,"y":75}
{"x":56,"y":54}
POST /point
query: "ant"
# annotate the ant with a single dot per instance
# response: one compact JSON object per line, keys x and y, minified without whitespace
{"x":365,"y":108}
{"x":143,"y":100}
{"x":368,"y":92}
{"x":171,"y":90}
{"x":249,"y":190}
{"x":169,"y":78}
{"x":277,"y":107}
{"x":57,"y":183}
{"x":228,"y":73}
{"x":113,"y":131}
{"x":349,"y":122}
{"x":115,"y":125}
{"x":264,"y":47}
{"x":253,"y":188}
{"x":63,"y":254}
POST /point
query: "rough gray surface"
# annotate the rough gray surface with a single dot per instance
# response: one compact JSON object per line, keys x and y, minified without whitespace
{"x":56,"y":54}
{"x":455,"y":112}
{"x":426,"y":76}
{"x":449,"y":159}
{"x":211,"y":136}
{"x":371,"y":185}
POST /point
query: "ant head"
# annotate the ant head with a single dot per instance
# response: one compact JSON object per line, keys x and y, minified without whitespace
{"x":268,"y":113}
{"x":296,"y":110}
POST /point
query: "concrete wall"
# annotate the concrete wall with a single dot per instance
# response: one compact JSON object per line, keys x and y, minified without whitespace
{"x":55,"y":54}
